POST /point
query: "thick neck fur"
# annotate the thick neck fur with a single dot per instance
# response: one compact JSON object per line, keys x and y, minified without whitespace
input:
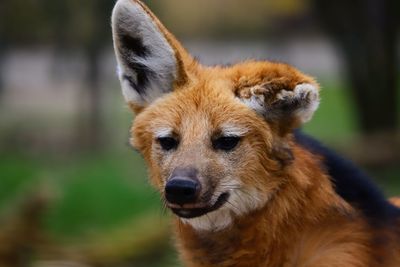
{"x":274,"y":235}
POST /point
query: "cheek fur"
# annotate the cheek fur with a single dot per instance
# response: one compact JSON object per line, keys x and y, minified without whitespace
{"x":258,"y":174}
{"x":162,"y":163}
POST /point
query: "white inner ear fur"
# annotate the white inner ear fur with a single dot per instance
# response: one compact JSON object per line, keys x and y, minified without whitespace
{"x":131,"y":19}
{"x":256,"y":102}
{"x":307,"y":93}
{"x":305,"y":113}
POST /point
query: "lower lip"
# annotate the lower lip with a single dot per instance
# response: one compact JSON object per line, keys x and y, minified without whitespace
{"x":197,"y":212}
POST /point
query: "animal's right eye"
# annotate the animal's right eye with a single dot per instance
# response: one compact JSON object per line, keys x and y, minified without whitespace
{"x":168,"y":143}
{"x":226,"y":143}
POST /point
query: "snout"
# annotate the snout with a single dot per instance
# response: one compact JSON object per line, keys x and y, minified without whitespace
{"x":187,"y":197}
{"x":183,"y":187}
{"x":182,"y":190}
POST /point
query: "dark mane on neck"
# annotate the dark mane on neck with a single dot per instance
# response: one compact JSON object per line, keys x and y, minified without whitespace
{"x":351,"y":183}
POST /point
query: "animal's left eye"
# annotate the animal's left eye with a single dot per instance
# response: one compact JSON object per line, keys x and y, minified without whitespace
{"x":225,"y":143}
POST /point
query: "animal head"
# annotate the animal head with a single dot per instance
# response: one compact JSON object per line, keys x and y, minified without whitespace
{"x":216,"y":139}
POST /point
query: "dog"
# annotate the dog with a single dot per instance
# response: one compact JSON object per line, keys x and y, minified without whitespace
{"x":221,"y":146}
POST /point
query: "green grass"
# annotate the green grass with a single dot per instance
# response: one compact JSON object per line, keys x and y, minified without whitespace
{"x":91,"y":193}
{"x":100,"y":192}
{"x":17,"y":172}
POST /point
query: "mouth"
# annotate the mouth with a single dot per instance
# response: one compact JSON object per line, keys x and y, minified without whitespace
{"x":189,"y":213}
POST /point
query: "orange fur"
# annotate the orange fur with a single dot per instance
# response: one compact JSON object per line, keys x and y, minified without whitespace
{"x":395,"y":201}
{"x":287,"y":213}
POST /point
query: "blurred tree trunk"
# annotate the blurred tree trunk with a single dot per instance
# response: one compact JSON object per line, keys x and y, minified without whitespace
{"x":94,"y":97}
{"x":2,"y":65}
{"x":2,"y":48}
{"x":89,"y":120}
{"x":97,"y":36}
{"x":366,"y":32}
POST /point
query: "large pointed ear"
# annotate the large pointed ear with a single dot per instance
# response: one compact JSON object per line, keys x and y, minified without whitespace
{"x":286,"y":102}
{"x":151,"y":62}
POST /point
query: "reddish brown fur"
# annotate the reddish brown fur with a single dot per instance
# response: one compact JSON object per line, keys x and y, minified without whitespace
{"x":303,"y":222}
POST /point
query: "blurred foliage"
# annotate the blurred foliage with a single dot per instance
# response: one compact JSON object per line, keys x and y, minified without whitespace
{"x":23,"y":21}
{"x":70,"y":23}
{"x":91,"y":188}
{"x":226,"y":18}
{"x":75,"y":23}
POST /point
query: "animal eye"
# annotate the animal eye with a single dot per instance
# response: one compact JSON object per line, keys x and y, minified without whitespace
{"x":167,"y":143}
{"x":226,"y":143}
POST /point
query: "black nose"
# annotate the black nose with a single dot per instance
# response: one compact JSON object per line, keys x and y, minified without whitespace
{"x":182,"y":191}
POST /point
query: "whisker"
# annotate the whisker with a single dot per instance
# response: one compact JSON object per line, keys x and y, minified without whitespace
{"x":234,"y":207}
{"x":210,"y":221}
{"x":240,"y":194}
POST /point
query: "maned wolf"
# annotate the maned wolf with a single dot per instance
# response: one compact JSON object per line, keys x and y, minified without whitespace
{"x":220,"y":145}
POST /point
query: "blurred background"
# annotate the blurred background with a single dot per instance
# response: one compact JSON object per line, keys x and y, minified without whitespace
{"x":73,"y":193}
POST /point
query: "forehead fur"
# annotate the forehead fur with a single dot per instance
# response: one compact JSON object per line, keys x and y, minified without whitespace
{"x":209,"y":103}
